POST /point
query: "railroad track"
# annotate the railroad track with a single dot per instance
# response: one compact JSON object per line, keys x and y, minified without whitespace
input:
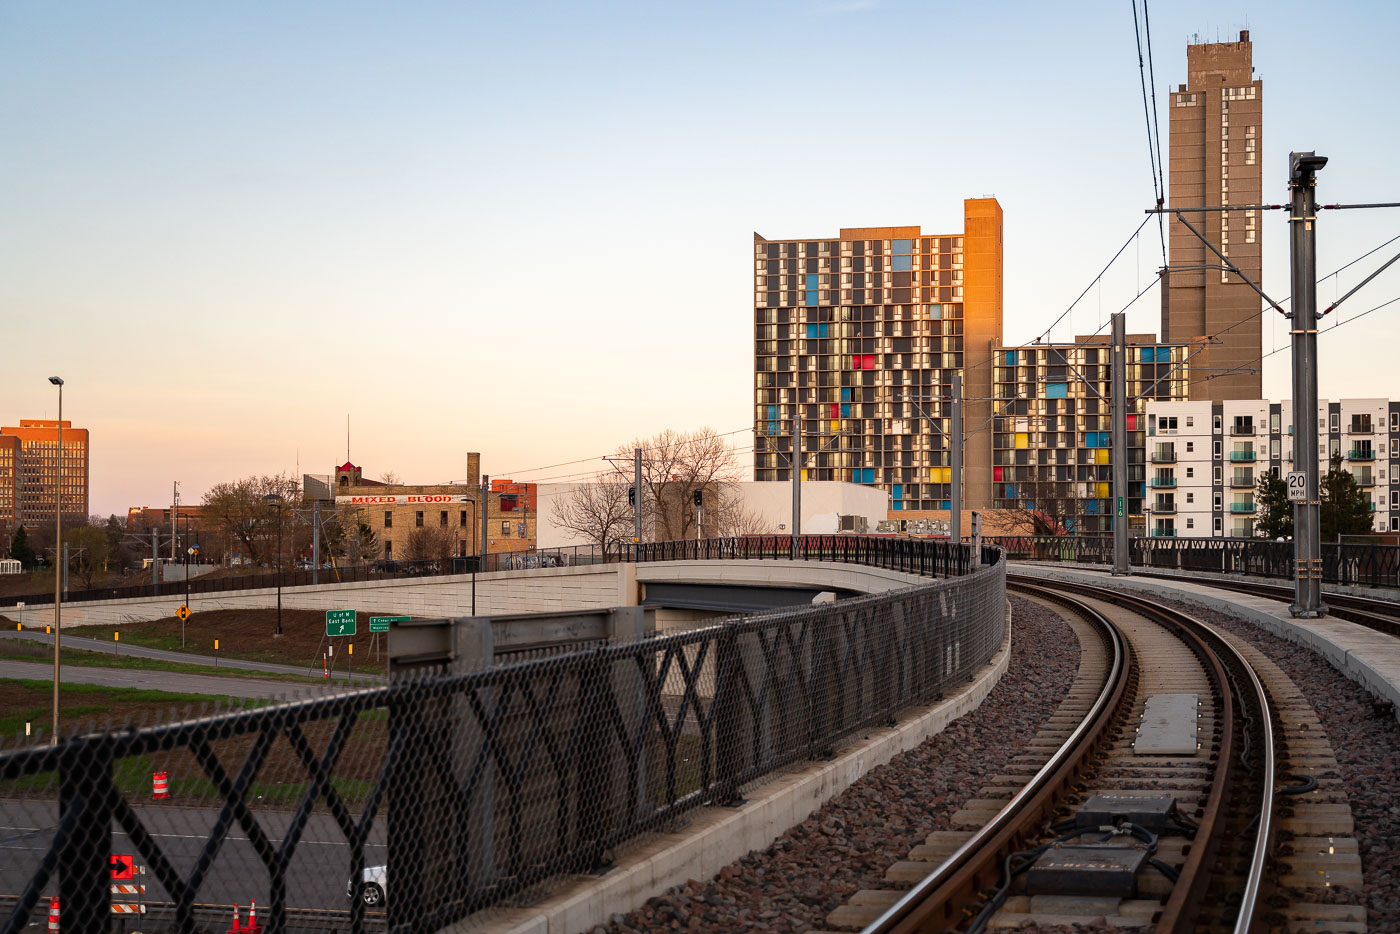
{"x":1121,"y":815}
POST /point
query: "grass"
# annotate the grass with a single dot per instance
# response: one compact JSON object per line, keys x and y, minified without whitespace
{"x":82,"y":658}
{"x":24,"y":701}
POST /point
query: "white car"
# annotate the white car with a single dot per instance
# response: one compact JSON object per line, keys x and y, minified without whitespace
{"x":373,"y":886}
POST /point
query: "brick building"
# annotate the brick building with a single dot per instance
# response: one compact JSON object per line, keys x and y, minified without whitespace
{"x":445,"y":516}
{"x":36,"y":473}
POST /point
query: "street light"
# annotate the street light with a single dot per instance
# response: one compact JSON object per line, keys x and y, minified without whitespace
{"x":275,"y":500}
{"x":57,"y":552}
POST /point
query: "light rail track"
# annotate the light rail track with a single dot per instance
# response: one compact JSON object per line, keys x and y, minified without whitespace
{"x":1218,"y":794}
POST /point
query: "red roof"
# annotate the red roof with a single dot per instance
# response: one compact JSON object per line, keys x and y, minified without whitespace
{"x":347,"y":466}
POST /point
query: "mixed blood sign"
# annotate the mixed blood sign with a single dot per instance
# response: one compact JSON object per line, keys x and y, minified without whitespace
{"x":403,"y":500}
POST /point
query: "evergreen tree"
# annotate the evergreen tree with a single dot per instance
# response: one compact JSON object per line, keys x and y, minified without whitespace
{"x":1346,"y":509}
{"x":20,"y":549}
{"x":1275,"y":518}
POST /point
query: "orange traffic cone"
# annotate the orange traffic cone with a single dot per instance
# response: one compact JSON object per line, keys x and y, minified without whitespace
{"x":253,"y":918}
{"x":236,"y":925}
{"x":53,"y":913}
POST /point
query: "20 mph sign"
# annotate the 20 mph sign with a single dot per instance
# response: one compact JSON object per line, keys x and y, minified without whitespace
{"x":1297,"y":486}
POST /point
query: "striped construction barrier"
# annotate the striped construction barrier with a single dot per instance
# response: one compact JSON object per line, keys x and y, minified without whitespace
{"x":128,"y":908}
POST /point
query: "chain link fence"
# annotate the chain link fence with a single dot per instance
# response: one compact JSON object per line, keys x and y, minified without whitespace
{"x":412,"y":805}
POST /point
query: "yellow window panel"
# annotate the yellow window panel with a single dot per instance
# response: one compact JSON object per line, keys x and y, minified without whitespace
{"x":804,"y":474}
{"x":1101,"y":456}
{"x":1022,"y":441}
{"x":835,"y":425}
{"x":1103,"y":491}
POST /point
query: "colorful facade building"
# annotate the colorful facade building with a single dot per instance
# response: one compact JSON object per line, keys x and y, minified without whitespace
{"x":857,"y":339}
{"x":1052,"y":434}
{"x":43,"y":474}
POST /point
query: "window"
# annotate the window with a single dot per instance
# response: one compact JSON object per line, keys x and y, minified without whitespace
{"x":1275,"y":449}
{"x":1190,"y":523}
{"x":1190,"y":446}
{"x":1218,"y":502}
{"x":1167,"y":423}
{"x":418,"y":518}
{"x":1190,"y":420}
{"x":461,"y":548}
{"x":1190,"y":472}
{"x":1215,"y":426}
{"x":1273,"y":422}
{"x":388,"y":549}
{"x":1219,"y":525}
{"x":1395,"y":421}
{"x":442,"y":519}
{"x":1216,"y":449}
{"x":388,"y":518}
{"x":505,"y":528}
{"x":1334,"y":421}
{"x":1190,"y":497}
{"x":1219,"y":475}
{"x":462,"y":518}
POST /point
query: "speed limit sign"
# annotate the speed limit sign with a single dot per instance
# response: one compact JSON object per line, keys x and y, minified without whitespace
{"x":1297,"y":486}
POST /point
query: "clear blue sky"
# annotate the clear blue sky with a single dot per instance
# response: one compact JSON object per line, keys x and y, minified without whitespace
{"x":525,"y":229}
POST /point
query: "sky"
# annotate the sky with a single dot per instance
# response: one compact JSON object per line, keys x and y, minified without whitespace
{"x":525,"y":229}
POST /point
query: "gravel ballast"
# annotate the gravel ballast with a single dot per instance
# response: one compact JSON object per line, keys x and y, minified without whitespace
{"x":848,"y":843}
{"x":1365,"y":738}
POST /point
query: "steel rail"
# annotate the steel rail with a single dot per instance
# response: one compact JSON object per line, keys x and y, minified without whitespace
{"x":934,"y":903}
{"x":1182,"y":900}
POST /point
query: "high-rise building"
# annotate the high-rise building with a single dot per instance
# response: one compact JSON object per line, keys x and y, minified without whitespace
{"x":1053,"y":432}
{"x":858,"y":336}
{"x":42,"y":473}
{"x":1216,"y":128}
{"x":9,"y":489}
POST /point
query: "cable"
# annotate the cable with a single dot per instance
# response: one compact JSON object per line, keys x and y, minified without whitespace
{"x":1154,"y":133}
{"x":1264,"y":356}
{"x":1046,"y":333}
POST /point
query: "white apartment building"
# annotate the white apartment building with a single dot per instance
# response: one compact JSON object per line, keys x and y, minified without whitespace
{"x":1204,"y":459}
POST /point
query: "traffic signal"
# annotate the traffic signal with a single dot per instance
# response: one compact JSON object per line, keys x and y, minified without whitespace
{"x":699,"y":498}
{"x":631,"y":496}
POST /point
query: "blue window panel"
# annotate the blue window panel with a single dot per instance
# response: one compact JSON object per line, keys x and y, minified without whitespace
{"x":870,"y":475}
{"x":846,"y":394}
{"x":1057,"y":390}
{"x":945,"y":504}
{"x":1091,"y":506}
{"x":811,"y":282}
{"x":898,"y":491}
{"x":1069,"y":525}
{"x":1147,"y":355}
{"x":811,"y":332}
{"x":811,"y":298}
{"x":1011,"y":358}
{"x":845,"y":410}
{"x":935,"y":312}
{"x":901,"y":246}
{"x":772,"y":428}
{"x":822,"y":329}
{"x":897,"y":505}
{"x":1164,"y":355}
{"x":1011,"y":491}
{"x":901,"y":264}
{"x":772,"y":411}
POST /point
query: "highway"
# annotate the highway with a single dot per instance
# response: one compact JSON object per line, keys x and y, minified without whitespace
{"x":153,"y":680}
{"x":315,"y":879}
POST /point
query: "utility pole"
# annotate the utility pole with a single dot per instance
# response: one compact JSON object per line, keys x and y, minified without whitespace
{"x":955,"y":446}
{"x":485,"y":492}
{"x":796,"y":486}
{"x":1307,"y":526}
{"x":174,"y":513}
{"x":315,"y":543}
{"x":637,"y":495}
{"x":155,"y":561}
{"x":65,"y":567}
{"x":1120,"y":444}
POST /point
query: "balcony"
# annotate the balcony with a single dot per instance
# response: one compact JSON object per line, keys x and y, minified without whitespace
{"x":1164,"y":483}
{"x":1242,"y":457}
{"x":1245,"y":431}
{"x":1242,"y":481}
{"x":1164,"y":508}
{"x":1164,"y":533}
{"x":1247,"y":508}
{"x":1361,"y":454}
{"x":1360,"y":427}
{"x":1364,"y":479}
{"x":1162,"y":456}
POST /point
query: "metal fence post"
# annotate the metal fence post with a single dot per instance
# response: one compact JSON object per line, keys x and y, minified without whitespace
{"x":85,"y":798}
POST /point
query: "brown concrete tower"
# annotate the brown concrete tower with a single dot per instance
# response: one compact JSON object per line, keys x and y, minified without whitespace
{"x":1216,"y":135}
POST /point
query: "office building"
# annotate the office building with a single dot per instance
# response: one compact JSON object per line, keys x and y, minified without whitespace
{"x":43,"y":473}
{"x":9,"y":490}
{"x":1207,"y":459}
{"x":858,"y":336}
{"x":1052,"y":435}
{"x":1216,"y":137}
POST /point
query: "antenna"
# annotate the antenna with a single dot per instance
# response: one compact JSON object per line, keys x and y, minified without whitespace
{"x":347,"y":437}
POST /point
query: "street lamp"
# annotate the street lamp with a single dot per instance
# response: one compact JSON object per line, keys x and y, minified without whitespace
{"x":275,"y":500}
{"x":57,"y":552}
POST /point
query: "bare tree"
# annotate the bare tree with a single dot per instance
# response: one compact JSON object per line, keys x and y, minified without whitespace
{"x":240,"y":510}
{"x":598,"y":510}
{"x":430,"y":543}
{"x":390,"y":478}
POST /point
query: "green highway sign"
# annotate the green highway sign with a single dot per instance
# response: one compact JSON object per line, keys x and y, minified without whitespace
{"x":340,"y":622}
{"x":1120,"y":507}
{"x":381,"y":623}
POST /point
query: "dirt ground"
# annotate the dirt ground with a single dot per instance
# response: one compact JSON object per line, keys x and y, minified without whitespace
{"x":249,"y":634}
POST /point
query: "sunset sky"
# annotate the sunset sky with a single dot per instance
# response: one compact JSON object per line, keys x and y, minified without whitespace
{"x":525,"y":229}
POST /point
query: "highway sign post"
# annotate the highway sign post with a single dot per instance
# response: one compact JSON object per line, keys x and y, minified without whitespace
{"x":340,"y":622}
{"x":378,"y":624}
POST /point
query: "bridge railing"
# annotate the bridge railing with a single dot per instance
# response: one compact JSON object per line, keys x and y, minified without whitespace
{"x":1374,"y":565}
{"x":475,"y":785}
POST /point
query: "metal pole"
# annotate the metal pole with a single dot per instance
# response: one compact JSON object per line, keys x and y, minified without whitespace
{"x":279,"y":571}
{"x":315,"y":542}
{"x":155,"y":561}
{"x":481,"y":546}
{"x":796,"y":486}
{"x":1307,"y":526}
{"x":174,"y":512}
{"x":637,"y":495}
{"x":1120,"y":445}
{"x":955,"y":445}
{"x":57,"y":579}
{"x":65,"y":567}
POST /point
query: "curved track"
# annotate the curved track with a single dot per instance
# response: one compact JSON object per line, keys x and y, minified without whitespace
{"x":1152,"y":650}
